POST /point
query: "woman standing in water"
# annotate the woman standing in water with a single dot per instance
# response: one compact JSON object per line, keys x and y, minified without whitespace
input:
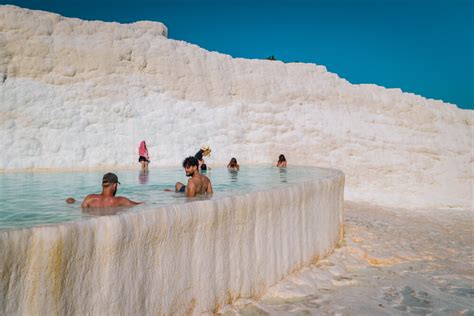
{"x":233,"y":165}
{"x":144,"y":158}
{"x":281,"y":161}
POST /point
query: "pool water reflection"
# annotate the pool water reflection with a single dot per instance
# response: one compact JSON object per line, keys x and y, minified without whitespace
{"x":30,"y":199}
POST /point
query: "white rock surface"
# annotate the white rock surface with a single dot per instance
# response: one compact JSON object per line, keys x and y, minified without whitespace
{"x":391,"y":262}
{"x":182,"y":259}
{"x":82,"y":94}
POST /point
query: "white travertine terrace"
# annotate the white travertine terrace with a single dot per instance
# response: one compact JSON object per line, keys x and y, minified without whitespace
{"x":183,"y":259}
{"x":82,"y":94}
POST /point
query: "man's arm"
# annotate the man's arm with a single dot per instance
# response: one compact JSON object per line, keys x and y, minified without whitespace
{"x":209,"y":188}
{"x":85,"y":203}
{"x":127,"y":202}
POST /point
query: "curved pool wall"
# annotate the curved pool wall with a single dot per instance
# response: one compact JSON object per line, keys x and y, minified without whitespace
{"x":187,"y":258}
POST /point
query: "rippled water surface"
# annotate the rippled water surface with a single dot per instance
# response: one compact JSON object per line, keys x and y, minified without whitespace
{"x":30,"y":199}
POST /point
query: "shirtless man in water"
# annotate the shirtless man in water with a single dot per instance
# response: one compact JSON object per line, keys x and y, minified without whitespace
{"x":107,"y":198}
{"x":197,"y":183}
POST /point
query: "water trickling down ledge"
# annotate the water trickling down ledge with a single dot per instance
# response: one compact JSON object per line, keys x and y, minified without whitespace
{"x":184,"y":258}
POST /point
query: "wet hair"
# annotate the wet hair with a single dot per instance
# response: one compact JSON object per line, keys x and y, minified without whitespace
{"x":203,"y":166}
{"x":281,"y":158}
{"x":233,"y":160}
{"x":190,"y":162}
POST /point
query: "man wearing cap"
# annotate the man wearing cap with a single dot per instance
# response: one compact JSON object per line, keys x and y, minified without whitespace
{"x":107,"y":198}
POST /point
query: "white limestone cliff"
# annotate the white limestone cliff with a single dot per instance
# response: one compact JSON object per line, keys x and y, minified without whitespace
{"x":82,"y":94}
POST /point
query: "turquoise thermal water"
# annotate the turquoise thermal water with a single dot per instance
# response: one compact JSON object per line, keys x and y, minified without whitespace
{"x":32,"y":199}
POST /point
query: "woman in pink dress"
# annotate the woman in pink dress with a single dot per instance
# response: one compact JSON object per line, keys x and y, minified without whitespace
{"x":143,"y":158}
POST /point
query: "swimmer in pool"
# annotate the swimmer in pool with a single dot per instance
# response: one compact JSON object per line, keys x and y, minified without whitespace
{"x":107,"y":198}
{"x":197,"y":183}
{"x":233,"y":165}
{"x":281,"y":161}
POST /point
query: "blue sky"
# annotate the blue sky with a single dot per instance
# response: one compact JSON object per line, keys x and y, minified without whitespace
{"x":421,"y":46}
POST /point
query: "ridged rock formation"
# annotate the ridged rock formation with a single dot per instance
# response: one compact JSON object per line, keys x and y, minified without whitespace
{"x":81,"y":94}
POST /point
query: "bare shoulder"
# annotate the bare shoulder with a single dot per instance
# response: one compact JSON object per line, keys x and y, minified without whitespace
{"x":207,"y":185}
{"x":92,"y":196}
{"x":206,"y":181}
{"x":192,"y":182}
{"x":88,"y":199}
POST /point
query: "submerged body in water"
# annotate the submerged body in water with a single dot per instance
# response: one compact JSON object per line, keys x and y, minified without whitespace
{"x":197,"y":183}
{"x":107,"y":198}
{"x":23,"y":202}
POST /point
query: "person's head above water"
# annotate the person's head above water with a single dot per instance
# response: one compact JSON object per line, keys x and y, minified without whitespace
{"x":233,"y":165}
{"x":281,"y":161}
{"x":109,"y":178}
{"x":110,"y":182}
{"x":107,"y":198}
{"x":191,"y":165}
{"x":197,"y":183}
{"x":232,"y":162}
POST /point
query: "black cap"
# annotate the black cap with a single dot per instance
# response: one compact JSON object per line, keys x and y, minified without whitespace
{"x":110,"y":178}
